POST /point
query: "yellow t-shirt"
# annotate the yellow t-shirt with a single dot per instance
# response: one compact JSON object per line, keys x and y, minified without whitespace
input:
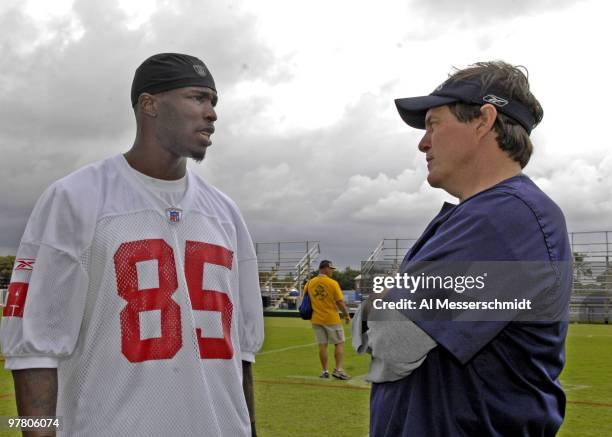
{"x":324,"y":293}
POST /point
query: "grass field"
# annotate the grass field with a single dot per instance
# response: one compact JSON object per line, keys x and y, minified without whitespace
{"x":292,"y":401}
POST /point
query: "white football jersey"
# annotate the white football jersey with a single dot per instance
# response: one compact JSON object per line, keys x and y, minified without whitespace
{"x":146,"y":309}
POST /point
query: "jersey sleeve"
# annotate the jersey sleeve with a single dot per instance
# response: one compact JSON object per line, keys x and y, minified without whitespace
{"x":337,"y":291}
{"x":46,"y":297}
{"x":251,"y":326}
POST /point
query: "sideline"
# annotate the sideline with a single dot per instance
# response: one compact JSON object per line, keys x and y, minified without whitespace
{"x":356,"y":381}
{"x":299,"y":346}
{"x":285,"y":349}
{"x":591,"y":404}
{"x":311,"y":384}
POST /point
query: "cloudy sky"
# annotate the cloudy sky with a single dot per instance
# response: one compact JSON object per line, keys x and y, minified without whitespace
{"x":308,"y":141}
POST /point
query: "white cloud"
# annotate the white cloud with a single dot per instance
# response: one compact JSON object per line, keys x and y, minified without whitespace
{"x":582,"y":189}
{"x":308,"y":141}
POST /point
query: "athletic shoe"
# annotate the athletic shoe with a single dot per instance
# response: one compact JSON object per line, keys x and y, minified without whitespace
{"x":340,"y":374}
{"x":324,"y":374}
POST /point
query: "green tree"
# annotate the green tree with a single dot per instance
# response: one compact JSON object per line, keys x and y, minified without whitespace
{"x":346,"y":278}
{"x":6,"y":268}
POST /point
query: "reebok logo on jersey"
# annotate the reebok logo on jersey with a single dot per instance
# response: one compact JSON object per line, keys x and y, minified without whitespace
{"x":24,"y":263}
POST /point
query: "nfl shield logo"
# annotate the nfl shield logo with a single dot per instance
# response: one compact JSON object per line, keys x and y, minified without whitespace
{"x":200,"y":69}
{"x":174,"y":215}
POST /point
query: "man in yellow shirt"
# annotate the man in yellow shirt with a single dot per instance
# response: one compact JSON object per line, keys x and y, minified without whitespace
{"x":326,"y":297}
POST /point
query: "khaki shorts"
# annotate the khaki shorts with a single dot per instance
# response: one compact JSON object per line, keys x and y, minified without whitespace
{"x":325,"y":334}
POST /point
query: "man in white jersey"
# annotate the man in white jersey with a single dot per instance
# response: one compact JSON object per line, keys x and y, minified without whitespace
{"x":134,"y":306}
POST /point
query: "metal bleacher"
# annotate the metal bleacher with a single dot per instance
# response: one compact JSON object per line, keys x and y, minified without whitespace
{"x":384,"y":260}
{"x":592,"y":292}
{"x":283,"y":269}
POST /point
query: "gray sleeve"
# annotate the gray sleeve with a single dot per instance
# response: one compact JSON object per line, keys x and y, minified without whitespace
{"x":359,"y":338}
{"x":397,"y":347}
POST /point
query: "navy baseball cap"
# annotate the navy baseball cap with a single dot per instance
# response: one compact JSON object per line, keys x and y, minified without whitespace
{"x":167,"y":71}
{"x":413,"y":109}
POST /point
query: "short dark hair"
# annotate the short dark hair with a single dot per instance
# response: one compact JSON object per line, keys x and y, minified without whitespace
{"x":326,"y":263}
{"x":514,"y":82}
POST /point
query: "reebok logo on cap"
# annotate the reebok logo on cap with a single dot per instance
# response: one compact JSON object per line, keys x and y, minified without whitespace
{"x":494,"y":100}
{"x":413,"y":109}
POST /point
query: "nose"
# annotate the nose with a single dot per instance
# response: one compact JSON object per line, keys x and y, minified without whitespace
{"x":209,"y":113}
{"x":425,"y":143}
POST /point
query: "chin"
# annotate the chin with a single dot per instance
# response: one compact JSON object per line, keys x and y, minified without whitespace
{"x":433,"y":181}
{"x":198,"y":156}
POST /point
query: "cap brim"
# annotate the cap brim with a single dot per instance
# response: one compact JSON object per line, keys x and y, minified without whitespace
{"x":413,"y":109}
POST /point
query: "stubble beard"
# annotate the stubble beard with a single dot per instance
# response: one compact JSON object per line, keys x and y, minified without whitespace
{"x":185,"y":149}
{"x":173,"y":135}
{"x":198,"y":156}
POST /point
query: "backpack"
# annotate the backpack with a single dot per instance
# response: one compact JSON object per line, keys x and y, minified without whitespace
{"x":306,"y":308}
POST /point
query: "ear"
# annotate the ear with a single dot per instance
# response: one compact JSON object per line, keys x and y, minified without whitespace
{"x":488,"y":115}
{"x":148,"y":105}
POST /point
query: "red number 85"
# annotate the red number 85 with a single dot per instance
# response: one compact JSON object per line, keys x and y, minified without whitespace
{"x":169,"y":343}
